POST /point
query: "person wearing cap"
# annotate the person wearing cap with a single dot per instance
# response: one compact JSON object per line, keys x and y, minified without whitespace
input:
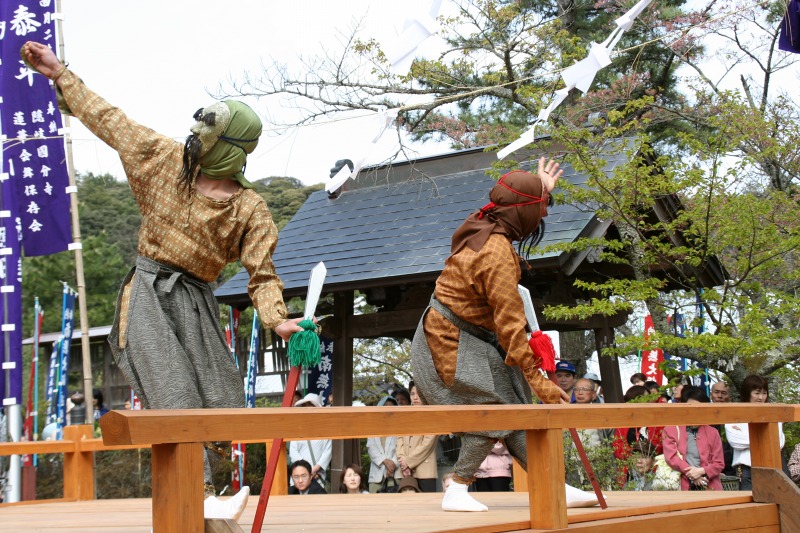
{"x":318,"y":453}
{"x":598,"y":387}
{"x":475,"y":328}
{"x":408,"y":484}
{"x":199,"y":213}
{"x":565,"y":377}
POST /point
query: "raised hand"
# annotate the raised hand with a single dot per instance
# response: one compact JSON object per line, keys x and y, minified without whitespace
{"x":549,"y":173}
{"x":42,"y":58}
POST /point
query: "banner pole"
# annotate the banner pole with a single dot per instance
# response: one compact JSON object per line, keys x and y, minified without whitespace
{"x":76,"y":240}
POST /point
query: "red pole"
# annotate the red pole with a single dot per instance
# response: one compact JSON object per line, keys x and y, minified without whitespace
{"x":272,"y":463}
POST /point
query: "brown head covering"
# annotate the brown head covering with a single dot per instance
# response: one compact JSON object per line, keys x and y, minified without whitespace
{"x":518,"y":203}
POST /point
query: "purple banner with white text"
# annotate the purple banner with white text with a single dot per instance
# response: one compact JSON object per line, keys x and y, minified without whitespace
{"x":33,"y":156}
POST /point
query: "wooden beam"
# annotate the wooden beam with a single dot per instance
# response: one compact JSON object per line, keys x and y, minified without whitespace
{"x":200,"y":425}
{"x":178,"y":487}
{"x":79,"y":465}
{"x":384,"y":324}
{"x":547,"y":498}
{"x":770,"y":485}
{"x":765,"y":447}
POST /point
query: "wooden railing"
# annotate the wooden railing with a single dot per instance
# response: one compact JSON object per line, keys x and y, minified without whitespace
{"x":79,"y":446}
{"x":176,"y":437}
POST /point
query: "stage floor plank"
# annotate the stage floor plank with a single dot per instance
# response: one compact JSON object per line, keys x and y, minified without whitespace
{"x":387,"y":513}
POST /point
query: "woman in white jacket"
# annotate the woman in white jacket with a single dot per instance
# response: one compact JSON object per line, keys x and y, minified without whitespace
{"x":383,"y":455}
{"x":754,"y":390}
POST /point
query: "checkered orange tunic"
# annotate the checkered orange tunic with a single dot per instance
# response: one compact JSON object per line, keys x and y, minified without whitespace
{"x":481,"y":288}
{"x":185,"y":230}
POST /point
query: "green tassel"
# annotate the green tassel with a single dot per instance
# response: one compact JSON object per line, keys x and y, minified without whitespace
{"x":304,"y":346}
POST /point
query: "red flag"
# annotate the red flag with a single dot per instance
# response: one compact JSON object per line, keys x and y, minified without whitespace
{"x":651,"y":359}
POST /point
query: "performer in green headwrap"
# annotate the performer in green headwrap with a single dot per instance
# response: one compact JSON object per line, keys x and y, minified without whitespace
{"x":198,"y":214}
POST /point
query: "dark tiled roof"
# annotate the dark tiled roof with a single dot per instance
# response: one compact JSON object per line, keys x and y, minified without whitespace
{"x":388,"y":233}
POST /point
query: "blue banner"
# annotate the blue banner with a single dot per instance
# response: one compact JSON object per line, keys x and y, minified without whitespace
{"x":51,"y":390}
{"x":66,"y":342}
{"x":252,"y":365}
{"x":33,"y":158}
{"x":320,"y":377}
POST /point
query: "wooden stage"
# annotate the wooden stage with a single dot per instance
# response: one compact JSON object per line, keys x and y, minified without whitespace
{"x":407,"y":513}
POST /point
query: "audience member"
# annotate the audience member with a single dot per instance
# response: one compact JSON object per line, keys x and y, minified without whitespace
{"x":315,"y":452}
{"x":625,"y":438}
{"x":352,"y":480}
{"x":402,"y":397}
{"x":794,"y":465}
{"x":694,"y":451}
{"x":416,"y":454}
{"x":638,"y":379}
{"x":755,"y":389}
{"x":304,"y":482}
{"x":408,"y":484}
{"x":383,"y":455}
{"x":565,"y":377}
{"x":97,"y":401}
{"x":720,"y":392}
{"x":494,"y":474}
{"x":643,"y":472}
{"x":585,"y":393}
{"x":598,"y":387}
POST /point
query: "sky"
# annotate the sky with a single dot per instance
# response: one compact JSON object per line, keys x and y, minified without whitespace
{"x":159,"y":61}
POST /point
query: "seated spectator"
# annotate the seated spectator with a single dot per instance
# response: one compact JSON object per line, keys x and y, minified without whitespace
{"x":383,"y":455}
{"x":315,"y":452}
{"x":794,"y":465}
{"x":352,"y":480}
{"x":416,"y":454}
{"x":408,"y":484}
{"x":494,"y":474}
{"x":755,"y":389}
{"x":304,"y":482}
{"x":694,"y":451}
{"x":638,"y":379}
{"x":643,"y":469}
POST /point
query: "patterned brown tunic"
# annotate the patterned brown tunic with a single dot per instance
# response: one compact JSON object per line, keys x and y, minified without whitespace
{"x":185,"y":230}
{"x":480,"y":288}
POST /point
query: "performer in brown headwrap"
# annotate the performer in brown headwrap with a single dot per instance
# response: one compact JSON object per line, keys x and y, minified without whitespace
{"x":474,"y":329}
{"x":199,"y":213}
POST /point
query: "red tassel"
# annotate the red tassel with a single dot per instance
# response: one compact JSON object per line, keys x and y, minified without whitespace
{"x":542,"y":346}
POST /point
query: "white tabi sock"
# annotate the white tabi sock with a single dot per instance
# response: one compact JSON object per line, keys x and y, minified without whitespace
{"x":456,"y":498}
{"x":232,"y":508}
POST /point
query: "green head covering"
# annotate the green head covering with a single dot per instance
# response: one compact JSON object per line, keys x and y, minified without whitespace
{"x":228,"y":131}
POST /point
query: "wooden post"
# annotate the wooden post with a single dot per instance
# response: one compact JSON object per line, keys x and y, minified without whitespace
{"x":280,"y":482}
{"x":765,"y":445}
{"x":344,"y":451}
{"x":79,"y":465}
{"x":520,"y":478}
{"x":547,"y":497}
{"x":609,"y":365}
{"x":177,"y":487}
